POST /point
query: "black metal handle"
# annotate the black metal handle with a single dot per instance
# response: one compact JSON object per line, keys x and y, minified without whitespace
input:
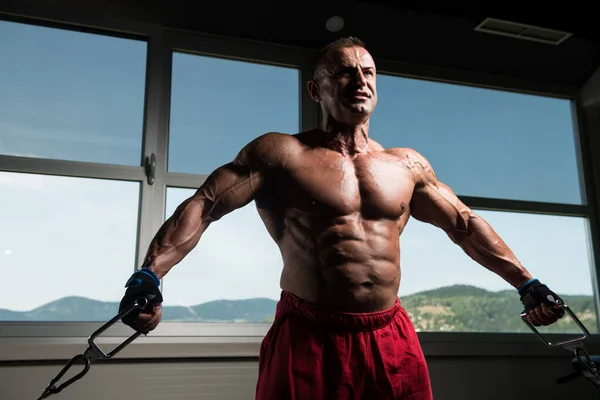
{"x":568,"y":342}
{"x":93,"y":352}
{"x":53,"y":389}
{"x":150,"y":168}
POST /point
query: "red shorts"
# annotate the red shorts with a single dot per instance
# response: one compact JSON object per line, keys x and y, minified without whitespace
{"x":311,"y":353}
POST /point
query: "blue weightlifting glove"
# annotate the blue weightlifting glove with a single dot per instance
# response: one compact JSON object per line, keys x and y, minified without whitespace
{"x":540,"y":303}
{"x":142,"y":283}
{"x":534,"y":294}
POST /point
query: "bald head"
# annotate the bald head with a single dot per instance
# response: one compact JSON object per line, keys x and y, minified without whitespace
{"x":323,"y":62}
{"x":344,"y":82}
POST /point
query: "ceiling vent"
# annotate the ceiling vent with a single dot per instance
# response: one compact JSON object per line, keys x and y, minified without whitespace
{"x":522,"y":31}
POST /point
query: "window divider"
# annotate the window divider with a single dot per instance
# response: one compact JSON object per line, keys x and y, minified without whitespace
{"x":531,"y":207}
{"x":156,"y":127}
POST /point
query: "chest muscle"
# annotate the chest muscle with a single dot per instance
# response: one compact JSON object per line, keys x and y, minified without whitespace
{"x":375,"y":187}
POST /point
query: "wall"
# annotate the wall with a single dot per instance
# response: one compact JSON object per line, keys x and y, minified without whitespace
{"x":453,"y":378}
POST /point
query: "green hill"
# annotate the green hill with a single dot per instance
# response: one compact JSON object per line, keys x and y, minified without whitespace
{"x":458,"y":308}
{"x":79,"y":309}
{"x":467,"y":308}
{"x":71,"y":309}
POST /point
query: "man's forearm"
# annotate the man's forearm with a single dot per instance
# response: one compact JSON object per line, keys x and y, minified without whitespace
{"x":176,"y":237}
{"x":484,"y":245}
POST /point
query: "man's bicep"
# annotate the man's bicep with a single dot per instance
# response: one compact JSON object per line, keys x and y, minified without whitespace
{"x":236,"y":183}
{"x":436,"y":203}
{"x":228,"y":188}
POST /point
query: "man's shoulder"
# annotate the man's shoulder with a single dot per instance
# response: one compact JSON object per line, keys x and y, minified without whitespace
{"x":414,"y":161}
{"x":270,"y":149}
{"x":405,"y":153}
{"x":400,"y":152}
{"x":276,"y":138}
{"x":274,"y":142}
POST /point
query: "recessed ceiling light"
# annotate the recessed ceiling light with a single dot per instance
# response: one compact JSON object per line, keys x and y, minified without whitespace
{"x":334,"y":24}
{"x":522,"y":31}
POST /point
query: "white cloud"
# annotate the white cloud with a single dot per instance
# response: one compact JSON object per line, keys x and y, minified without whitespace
{"x":90,"y":136}
{"x":552,"y":248}
{"x":68,"y":236}
{"x":235,"y":259}
{"x":13,"y":182}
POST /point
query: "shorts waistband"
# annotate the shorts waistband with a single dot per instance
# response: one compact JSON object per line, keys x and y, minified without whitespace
{"x":349,"y":321}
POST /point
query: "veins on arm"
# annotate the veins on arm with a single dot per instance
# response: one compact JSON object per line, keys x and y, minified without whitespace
{"x":435,"y":203}
{"x":226,"y":189}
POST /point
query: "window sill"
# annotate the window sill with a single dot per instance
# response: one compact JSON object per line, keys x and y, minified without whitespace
{"x":52,"y":341}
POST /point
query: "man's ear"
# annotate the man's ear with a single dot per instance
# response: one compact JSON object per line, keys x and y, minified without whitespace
{"x":313,"y":90}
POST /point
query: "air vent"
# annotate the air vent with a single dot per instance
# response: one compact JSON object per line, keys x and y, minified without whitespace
{"x":522,"y":31}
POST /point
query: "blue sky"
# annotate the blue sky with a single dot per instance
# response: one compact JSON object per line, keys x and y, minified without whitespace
{"x":80,"y":97}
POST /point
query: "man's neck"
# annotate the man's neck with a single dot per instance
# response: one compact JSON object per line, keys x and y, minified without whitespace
{"x":347,"y":139}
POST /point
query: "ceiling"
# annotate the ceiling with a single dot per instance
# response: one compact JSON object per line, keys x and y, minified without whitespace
{"x":570,"y":17}
{"x":424,"y":33}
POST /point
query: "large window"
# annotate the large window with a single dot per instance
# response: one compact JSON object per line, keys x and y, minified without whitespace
{"x":69,"y":230}
{"x":79,"y":112}
{"x":218,"y":105}
{"x":483,"y":142}
{"x":65,"y":242}
{"x":70,"y":95}
{"x":444,"y":290}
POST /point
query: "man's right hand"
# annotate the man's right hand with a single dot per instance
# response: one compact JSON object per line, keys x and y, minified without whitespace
{"x":142,"y":283}
{"x":540,"y":303}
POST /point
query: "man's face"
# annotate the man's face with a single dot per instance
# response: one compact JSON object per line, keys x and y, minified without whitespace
{"x":346,"y":87}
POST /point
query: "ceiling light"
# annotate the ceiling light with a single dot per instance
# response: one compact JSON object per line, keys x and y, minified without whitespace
{"x":334,"y":24}
{"x":522,"y":31}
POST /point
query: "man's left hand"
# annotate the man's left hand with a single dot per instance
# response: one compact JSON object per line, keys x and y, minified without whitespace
{"x":540,"y":303}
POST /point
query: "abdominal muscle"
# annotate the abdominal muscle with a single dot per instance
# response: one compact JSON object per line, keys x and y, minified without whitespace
{"x":348,"y":263}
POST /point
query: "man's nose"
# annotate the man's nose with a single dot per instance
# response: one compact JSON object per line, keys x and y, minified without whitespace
{"x":359,"y":79}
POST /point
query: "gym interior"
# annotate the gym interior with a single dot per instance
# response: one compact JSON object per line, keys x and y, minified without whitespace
{"x":114,"y":112}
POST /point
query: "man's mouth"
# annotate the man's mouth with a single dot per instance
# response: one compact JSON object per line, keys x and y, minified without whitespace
{"x":360,"y":96}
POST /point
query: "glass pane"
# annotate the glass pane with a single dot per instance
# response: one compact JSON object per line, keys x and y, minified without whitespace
{"x":444,"y":290}
{"x":218,"y":106}
{"x":71,"y":96}
{"x":66,"y":248}
{"x":481,"y":142}
{"x":231,"y":276}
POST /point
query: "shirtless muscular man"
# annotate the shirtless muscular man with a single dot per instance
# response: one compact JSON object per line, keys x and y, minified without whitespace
{"x":335,"y":202}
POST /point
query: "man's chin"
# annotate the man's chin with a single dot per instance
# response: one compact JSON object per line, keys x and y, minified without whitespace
{"x":361,"y":109}
{"x":355,"y":107}
{"x":355,"y":116}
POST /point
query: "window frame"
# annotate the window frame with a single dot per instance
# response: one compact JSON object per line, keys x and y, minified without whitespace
{"x":61,"y":340}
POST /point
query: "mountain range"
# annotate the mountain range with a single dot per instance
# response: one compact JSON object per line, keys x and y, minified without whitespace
{"x":458,"y":308}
